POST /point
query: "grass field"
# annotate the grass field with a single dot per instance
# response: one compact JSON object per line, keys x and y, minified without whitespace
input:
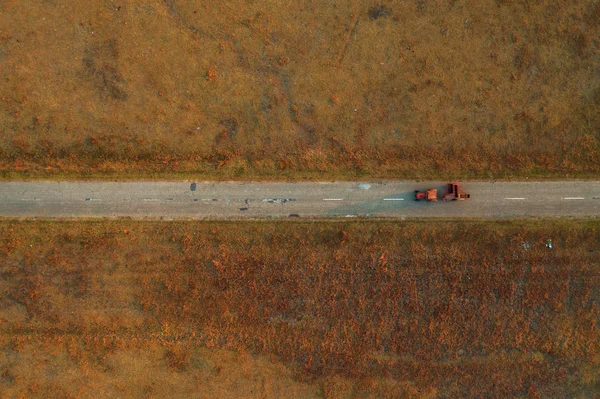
{"x":299,"y":309}
{"x":299,"y":89}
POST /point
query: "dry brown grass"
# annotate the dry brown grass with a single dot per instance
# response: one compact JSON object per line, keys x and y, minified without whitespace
{"x":296,"y":89}
{"x":299,"y":309}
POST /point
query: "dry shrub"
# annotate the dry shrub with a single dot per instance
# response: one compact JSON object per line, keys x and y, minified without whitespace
{"x":337,"y":388}
{"x":177,"y":358}
{"x":211,"y":74}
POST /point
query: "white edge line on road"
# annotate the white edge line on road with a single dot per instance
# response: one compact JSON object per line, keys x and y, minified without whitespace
{"x":514,"y":198}
{"x":574,"y":198}
{"x":393,"y":199}
{"x":333,"y":199}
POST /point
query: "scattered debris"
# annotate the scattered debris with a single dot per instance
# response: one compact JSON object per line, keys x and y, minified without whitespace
{"x":526,"y":246}
{"x":243,"y":209}
{"x":364,"y":186}
{"x":193,"y":187}
{"x":278,"y":200}
{"x":549,"y":243}
{"x":294,"y":215}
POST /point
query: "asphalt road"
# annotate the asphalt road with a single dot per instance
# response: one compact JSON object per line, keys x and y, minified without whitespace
{"x":265,"y":200}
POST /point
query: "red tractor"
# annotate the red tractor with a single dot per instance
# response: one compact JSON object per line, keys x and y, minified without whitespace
{"x":454,"y":192}
{"x":429,"y":195}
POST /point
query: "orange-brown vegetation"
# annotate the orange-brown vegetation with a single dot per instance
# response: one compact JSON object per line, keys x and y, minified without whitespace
{"x":303,"y":309}
{"x":353,"y":88}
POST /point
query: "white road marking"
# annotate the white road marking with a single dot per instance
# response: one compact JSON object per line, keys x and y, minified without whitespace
{"x":30,"y":199}
{"x":333,"y":199}
{"x":574,"y":198}
{"x":514,"y":198}
{"x":158,"y":199}
{"x":393,"y":199}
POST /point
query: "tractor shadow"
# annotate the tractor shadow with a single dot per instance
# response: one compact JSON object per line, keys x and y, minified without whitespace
{"x":372,"y":208}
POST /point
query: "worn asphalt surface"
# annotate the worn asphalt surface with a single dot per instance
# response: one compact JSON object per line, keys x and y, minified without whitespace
{"x":267,"y":200}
